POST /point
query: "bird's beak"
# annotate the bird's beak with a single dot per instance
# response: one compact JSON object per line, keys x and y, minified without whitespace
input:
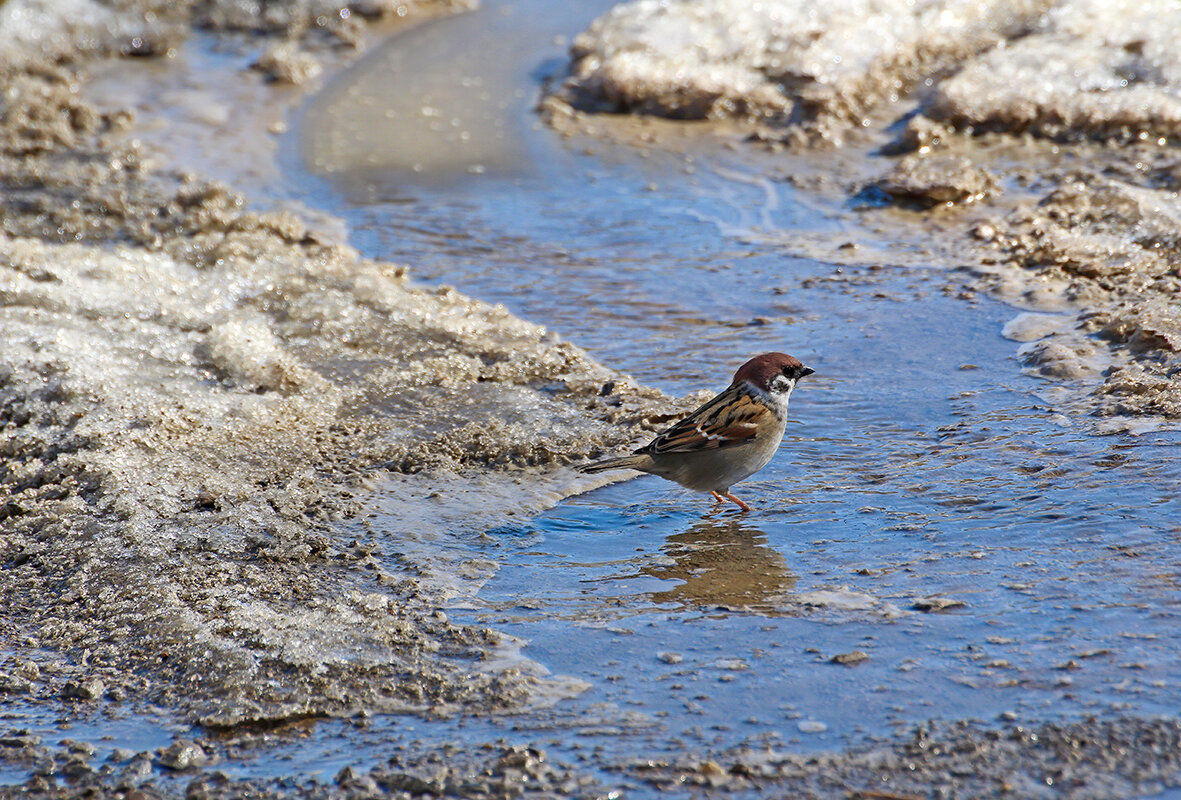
{"x":806,"y":371}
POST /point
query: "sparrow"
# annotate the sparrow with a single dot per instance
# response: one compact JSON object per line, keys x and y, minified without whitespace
{"x":729,"y":438}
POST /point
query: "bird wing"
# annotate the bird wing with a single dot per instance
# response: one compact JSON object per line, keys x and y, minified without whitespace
{"x":733,"y":417}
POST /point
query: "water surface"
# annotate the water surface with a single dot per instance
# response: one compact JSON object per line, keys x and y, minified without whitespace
{"x":921,"y":463}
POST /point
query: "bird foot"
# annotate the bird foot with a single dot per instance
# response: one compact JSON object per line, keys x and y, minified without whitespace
{"x":721,"y":498}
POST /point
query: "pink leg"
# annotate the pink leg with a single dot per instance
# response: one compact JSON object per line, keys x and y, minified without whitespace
{"x":730,"y":496}
{"x":718,"y":498}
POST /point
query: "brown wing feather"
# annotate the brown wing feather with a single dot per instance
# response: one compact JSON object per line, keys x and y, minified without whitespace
{"x":731,"y":418}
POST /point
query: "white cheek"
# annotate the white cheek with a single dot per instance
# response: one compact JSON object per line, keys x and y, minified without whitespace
{"x":781,"y":393}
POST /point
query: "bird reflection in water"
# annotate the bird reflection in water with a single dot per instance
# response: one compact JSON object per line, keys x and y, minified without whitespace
{"x":722,"y":563}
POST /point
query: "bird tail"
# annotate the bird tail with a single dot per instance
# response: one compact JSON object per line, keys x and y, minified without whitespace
{"x":635,"y":461}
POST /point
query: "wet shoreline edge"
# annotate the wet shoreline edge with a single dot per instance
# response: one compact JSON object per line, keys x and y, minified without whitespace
{"x":53,"y":479}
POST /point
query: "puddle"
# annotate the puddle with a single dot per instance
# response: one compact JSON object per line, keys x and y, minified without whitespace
{"x":105,"y":733}
{"x":469,"y":115}
{"x":920,"y":463}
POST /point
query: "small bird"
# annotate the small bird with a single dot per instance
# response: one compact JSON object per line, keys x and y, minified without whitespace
{"x":729,"y":438}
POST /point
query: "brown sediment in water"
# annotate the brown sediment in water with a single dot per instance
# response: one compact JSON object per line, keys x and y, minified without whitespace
{"x":1110,"y":248}
{"x":193,"y":395}
{"x":1070,"y":225}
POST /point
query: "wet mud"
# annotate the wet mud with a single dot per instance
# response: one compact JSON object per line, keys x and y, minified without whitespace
{"x":262,"y":494}
{"x":193,"y":395}
{"x":1093,"y":759}
{"x":1086,"y":761}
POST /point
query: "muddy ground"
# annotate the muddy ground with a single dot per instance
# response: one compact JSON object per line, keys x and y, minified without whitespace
{"x":1091,"y":759}
{"x":180,"y":541}
{"x":178,"y":447}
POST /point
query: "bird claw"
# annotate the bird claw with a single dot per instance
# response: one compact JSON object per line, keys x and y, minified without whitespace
{"x":721,"y":498}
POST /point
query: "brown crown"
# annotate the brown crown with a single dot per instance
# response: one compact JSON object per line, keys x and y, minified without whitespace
{"x":761,"y":370}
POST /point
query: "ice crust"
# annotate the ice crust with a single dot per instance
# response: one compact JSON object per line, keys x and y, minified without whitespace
{"x":1088,"y":69}
{"x":818,"y":65}
{"x":181,"y":436}
{"x":1065,"y":69}
{"x":192,"y":395}
{"x":36,"y":31}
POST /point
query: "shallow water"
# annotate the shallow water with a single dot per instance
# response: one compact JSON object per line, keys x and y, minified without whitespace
{"x":922,"y":462}
{"x":104,"y":732}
